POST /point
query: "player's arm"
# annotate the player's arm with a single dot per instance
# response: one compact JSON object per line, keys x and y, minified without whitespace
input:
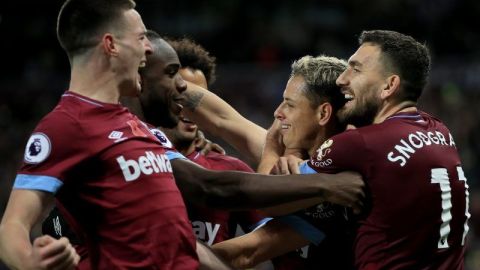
{"x":217,"y":117}
{"x":289,"y":165}
{"x":239,"y":190}
{"x":209,"y":260}
{"x":25,"y":208}
{"x":269,"y":241}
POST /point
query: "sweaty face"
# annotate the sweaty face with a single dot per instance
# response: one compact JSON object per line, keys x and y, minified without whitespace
{"x":162,"y":86}
{"x":133,"y":46}
{"x":299,"y":120}
{"x":361,"y":83}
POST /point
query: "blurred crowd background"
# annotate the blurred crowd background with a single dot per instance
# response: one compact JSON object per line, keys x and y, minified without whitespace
{"x":255,"y":42}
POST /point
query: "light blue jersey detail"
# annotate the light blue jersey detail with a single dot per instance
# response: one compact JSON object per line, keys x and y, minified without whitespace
{"x":37,"y":182}
{"x":305,"y":168}
{"x":260,"y":223}
{"x":307,"y":230}
{"x":171,"y":155}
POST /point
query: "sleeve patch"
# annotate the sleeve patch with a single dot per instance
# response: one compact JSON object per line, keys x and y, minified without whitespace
{"x":38,"y":148}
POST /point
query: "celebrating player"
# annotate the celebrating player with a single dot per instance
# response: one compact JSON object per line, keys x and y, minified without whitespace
{"x":111,"y":176}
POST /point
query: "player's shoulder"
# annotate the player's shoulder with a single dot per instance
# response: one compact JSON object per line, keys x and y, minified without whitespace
{"x":228,"y":162}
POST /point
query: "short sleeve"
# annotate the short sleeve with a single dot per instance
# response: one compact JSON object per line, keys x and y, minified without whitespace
{"x":55,"y":147}
{"x":345,"y":151}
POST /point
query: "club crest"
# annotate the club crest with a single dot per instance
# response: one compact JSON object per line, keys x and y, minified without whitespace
{"x":324,"y":149}
{"x":38,"y":148}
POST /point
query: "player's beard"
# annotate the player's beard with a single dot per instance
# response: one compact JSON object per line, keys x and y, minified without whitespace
{"x":157,"y":112}
{"x":362,"y":114}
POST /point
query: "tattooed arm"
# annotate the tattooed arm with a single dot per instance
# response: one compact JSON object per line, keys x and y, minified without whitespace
{"x":217,"y":117}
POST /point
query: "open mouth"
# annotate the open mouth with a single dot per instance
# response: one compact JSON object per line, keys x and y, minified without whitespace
{"x":348,"y":96}
{"x":185,"y":120}
{"x":140,"y":71}
{"x":177,"y":101}
{"x":286,"y":126}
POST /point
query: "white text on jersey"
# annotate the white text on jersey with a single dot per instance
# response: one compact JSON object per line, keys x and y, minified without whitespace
{"x":402,"y":150}
{"x":147,"y":164}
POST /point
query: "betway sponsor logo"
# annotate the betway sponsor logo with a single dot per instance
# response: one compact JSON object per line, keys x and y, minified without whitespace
{"x":148,"y":164}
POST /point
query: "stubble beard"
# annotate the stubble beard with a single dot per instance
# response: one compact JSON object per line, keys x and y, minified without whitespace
{"x":360,"y":115}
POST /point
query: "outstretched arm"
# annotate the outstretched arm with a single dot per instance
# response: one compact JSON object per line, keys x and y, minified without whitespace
{"x":25,"y":208}
{"x":209,"y":260}
{"x":269,"y":241}
{"x":239,"y":190}
{"x":217,"y":117}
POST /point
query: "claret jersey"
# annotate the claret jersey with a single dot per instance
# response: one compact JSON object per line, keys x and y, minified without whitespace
{"x":211,"y":225}
{"x":114,"y":182}
{"x":419,"y":194}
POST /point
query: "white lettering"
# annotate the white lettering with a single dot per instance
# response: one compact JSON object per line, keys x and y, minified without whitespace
{"x":126,"y":165}
{"x":416,"y":145}
{"x":433,"y":137}
{"x":424,"y":138}
{"x":401,"y":159}
{"x":404,"y":149}
{"x":161,"y":163}
{"x":199,"y":229}
{"x":441,"y":138}
{"x":452,"y":142}
{"x":151,"y":158}
{"x":304,"y":251}
{"x":212,"y":232}
{"x":147,"y":165}
{"x":202,"y":229}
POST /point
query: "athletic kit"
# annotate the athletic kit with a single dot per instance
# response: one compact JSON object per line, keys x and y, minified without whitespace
{"x":418,"y":192}
{"x":113,"y":183}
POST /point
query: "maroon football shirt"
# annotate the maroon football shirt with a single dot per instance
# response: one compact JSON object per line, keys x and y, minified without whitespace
{"x":211,"y":225}
{"x":116,"y":182}
{"x":418,"y":192}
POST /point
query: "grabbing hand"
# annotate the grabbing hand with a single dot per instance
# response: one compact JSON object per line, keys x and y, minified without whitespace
{"x":288,"y":165}
{"x":56,"y":254}
{"x":346,"y":188}
{"x":204,"y":145}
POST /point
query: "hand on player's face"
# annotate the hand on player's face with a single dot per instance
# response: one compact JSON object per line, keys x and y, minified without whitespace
{"x":50,"y":253}
{"x":289,"y":164}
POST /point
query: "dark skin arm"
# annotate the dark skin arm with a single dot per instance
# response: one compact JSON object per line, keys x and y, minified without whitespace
{"x":239,"y":190}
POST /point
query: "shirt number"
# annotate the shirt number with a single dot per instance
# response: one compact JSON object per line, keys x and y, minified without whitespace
{"x":440,"y":176}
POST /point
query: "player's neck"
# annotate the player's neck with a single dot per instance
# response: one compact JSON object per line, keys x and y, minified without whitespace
{"x":185,"y":149}
{"x":93,"y":80}
{"x":391,"y":109}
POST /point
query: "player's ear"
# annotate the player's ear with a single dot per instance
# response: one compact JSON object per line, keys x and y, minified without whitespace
{"x":109,"y":44}
{"x":391,"y":86}
{"x":324,"y":113}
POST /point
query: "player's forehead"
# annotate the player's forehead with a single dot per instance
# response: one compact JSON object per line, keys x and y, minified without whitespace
{"x":295,"y":88}
{"x":133,"y":22}
{"x":367,"y":55}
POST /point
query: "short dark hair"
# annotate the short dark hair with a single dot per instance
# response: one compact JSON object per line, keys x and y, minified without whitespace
{"x":194,"y":56}
{"x":403,"y":55}
{"x":80,"y":21}
{"x":320,"y":74}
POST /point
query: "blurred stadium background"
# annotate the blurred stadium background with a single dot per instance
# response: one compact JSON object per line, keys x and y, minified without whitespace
{"x":255,"y":43}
